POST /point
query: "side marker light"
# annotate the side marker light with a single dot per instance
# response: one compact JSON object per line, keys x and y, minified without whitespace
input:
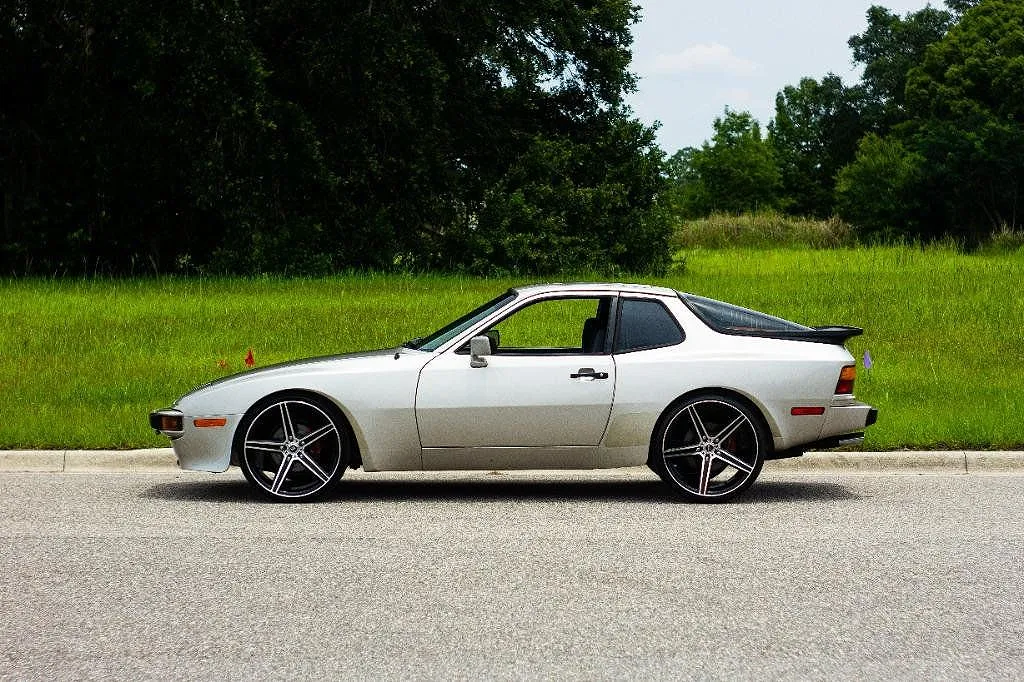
{"x":210,"y":422}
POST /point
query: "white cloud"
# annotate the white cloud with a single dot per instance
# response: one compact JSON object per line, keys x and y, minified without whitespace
{"x":704,"y":57}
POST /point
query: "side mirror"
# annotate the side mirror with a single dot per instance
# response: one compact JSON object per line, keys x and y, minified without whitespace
{"x":479,"y":346}
{"x":495,"y":336}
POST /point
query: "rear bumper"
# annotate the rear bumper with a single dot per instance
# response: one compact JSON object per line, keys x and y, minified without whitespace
{"x":844,"y":426}
{"x":841,"y":420}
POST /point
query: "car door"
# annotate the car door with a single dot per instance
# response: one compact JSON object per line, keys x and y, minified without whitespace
{"x":549,"y":381}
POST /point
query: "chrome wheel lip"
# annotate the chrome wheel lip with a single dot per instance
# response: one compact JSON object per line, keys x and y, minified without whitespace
{"x":708,"y":449}
{"x":292,"y":450}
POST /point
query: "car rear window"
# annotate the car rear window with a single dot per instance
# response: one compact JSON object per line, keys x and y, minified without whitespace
{"x":728,"y":318}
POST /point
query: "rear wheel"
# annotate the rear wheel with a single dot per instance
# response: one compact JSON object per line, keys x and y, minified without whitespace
{"x":710,"y":448}
{"x":292,"y":447}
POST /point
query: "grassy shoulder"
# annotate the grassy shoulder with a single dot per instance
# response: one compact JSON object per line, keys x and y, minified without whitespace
{"x":84,"y":361}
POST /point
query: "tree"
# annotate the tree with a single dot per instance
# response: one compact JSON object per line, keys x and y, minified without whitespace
{"x":734,"y":172}
{"x":814,"y":133}
{"x":141,"y":139}
{"x":682,"y":181}
{"x":566,"y":206}
{"x":818,"y":124}
{"x":308,"y":135}
{"x":889,"y":47}
{"x":966,"y":99}
{"x":958,"y":7}
{"x":878,"y":192}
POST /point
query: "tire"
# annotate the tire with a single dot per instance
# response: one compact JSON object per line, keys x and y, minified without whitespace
{"x":292,"y":446}
{"x":710,"y":448}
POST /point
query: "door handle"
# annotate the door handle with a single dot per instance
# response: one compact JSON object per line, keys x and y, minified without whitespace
{"x":588,"y":373}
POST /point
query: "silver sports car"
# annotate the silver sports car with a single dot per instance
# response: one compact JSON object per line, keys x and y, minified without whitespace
{"x":552,"y":376}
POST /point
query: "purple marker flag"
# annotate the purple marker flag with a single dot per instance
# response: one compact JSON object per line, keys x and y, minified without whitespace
{"x":867,"y":360}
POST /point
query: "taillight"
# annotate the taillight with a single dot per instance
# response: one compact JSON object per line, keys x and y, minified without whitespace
{"x":846,"y":378}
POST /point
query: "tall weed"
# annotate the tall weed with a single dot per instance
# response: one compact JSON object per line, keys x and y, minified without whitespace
{"x":761,"y":230}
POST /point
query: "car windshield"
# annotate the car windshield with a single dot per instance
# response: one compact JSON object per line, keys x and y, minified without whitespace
{"x":453,"y":329}
{"x":725,"y":317}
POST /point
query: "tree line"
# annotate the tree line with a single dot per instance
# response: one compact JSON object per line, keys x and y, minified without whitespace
{"x":929,"y":143}
{"x":307,"y":136}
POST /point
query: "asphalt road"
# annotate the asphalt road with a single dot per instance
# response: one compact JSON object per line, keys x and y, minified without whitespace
{"x":598,"y":575}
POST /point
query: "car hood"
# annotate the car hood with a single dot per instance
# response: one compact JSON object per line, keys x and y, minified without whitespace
{"x":291,"y":366}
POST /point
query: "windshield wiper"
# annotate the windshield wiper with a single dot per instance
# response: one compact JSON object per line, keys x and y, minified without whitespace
{"x":413,"y":343}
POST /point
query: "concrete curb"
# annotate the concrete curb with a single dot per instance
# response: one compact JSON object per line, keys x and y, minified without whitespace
{"x":920,"y":462}
{"x":936,"y":462}
{"x":69,"y":461}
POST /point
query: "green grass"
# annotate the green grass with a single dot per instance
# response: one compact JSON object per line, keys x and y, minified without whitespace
{"x":82,"y":362}
{"x":945,"y":331}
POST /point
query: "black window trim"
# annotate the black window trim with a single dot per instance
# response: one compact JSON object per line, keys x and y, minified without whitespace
{"x":618,"y":325}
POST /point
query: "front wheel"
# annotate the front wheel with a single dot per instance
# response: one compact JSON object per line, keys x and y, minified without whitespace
{"x":709,"y":447}
{"x":292,"y":447}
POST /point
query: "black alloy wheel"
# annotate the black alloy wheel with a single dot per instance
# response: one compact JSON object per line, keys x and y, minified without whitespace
{"x":709,"y":447}
{"x":292,"y":447}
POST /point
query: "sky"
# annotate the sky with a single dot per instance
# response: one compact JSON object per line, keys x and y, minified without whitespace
{"x":694,"y":58}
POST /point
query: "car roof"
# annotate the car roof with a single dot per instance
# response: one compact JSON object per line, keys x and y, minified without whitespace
{"x":573,"y":287}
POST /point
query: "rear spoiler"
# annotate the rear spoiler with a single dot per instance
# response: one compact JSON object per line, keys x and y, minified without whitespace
{"x":836,"y":335}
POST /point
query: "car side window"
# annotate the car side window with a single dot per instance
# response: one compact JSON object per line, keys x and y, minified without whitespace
{"x":645,"y":324}
{"x":560,"y":325}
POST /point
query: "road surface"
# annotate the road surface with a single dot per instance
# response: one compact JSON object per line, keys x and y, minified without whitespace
{"x":571,"y":575}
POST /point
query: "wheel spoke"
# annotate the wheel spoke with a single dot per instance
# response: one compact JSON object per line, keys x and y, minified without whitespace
{"x":733,"y":461}
{"x":685,"y":451}
{"x":702,"y":432}
{"x":317,"y":435}
{"x":730,"y":429}
{"x":286,"y":420}
{"x":282,"y":474}
{"x":313,"y":467}
{"x":705,"y":475}
{"x":263,"y":445}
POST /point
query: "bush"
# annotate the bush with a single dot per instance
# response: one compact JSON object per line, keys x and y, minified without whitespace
{"x":764,"y":229}
{"x":1005,"y":240}
{"x":877,"y":191}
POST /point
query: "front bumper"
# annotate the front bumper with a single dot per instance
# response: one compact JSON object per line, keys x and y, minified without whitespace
{"x":198,"y":448}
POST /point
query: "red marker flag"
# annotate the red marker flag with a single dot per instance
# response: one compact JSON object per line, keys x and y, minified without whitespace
{"x":249,"y":359}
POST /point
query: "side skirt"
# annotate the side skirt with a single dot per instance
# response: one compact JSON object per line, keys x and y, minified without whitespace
{"x":567,"y":457}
